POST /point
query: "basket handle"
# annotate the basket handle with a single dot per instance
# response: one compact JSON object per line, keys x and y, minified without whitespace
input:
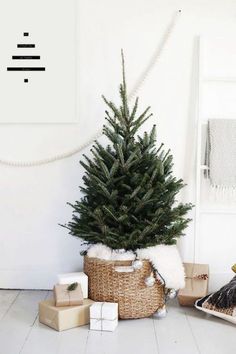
{"x":123,"y":269}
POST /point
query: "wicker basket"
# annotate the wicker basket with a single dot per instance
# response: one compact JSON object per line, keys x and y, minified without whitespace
{"x":135,"y":299}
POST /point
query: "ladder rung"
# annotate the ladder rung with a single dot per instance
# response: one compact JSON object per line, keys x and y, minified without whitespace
{"x":204,"y":167}
{"x":218,"y":79}
{"x":217,"y":211}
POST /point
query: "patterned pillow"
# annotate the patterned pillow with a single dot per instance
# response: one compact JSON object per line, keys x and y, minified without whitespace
{"x":228,"y":314}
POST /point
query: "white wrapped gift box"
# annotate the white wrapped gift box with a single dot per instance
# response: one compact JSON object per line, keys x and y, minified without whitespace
{"x":77,"y":277}
{"x":104,"y":316}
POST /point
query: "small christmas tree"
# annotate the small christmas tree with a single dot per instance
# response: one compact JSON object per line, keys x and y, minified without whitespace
{"x":129,"y":191}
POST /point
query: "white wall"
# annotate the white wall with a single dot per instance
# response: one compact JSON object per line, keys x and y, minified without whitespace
{"x":33,"y":248}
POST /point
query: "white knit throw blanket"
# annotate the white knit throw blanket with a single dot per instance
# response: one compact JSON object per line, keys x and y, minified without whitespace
{"x":221,"y":153}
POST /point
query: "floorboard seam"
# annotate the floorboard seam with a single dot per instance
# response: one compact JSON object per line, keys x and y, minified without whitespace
{"x":31,"y":327}
{"x":28,"y":334}
{"x":11,"y":304}
{"x":155,"y":334}
{"x":194,"y":338}
{"x":86,"y":344}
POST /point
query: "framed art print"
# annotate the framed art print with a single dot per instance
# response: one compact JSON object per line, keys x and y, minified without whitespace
{"x":38,"y":61}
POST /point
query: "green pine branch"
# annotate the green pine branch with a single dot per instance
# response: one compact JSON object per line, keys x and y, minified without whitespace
{"x":129,"y":192}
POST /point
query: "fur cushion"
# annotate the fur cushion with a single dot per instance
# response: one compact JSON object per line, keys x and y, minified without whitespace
{"x":99,"y":251}
{"x":165,"y":259}
{"x":103,"y":252}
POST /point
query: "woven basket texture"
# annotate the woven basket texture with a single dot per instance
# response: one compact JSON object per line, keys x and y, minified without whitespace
{"x":128,"y":289}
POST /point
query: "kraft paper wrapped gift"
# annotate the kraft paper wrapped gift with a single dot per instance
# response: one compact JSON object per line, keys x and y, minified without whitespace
{"x":64,"y":297}
{"x":104,"y":316}
{"x":196,"y":283}
{"x":61,"y":318}
{"x":77,"y":277}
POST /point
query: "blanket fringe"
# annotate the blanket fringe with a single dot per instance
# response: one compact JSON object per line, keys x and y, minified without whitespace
{"x":221,"y":193}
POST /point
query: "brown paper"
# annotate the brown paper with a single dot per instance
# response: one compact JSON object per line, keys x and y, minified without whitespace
{"x":63,"y":297}
{"x":195,"y":287}
{"x":61,"y":318}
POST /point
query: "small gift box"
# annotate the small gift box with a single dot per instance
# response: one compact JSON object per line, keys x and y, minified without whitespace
{"x":196,"y":283}
{"x":68,"y":294}
{"x":77,"y":277}
{"x":104,"y":316}
{"x":61,"y":318}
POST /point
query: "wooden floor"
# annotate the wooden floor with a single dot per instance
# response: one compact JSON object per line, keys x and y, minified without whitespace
{"x":183,"y":331}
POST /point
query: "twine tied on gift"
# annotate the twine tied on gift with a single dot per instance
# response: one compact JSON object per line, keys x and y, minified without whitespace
{"x":101,"y":319}
{"x":192,"y":277}
{"x":70,"y":288}
{"x":200,"y":277}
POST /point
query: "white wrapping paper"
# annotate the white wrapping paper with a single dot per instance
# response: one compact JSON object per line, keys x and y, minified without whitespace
{"x":104,"y":316}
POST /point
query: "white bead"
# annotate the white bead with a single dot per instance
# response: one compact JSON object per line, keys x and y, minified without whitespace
{"x":161,"y":313}
{"x":150,"y":281}
{"x":172,"y":294}
{"x":137,"y":264}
